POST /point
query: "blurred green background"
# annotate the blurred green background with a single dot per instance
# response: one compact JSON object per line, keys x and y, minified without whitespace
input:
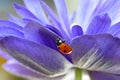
{"x":6,"y":7}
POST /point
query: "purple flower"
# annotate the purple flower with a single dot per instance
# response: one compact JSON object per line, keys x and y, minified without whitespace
{"x":30,"y":46}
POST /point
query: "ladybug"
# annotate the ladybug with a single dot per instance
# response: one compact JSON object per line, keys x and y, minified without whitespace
{"x":63,"y":47}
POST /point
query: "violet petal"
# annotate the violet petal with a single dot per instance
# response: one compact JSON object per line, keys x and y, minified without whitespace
{"x":99,"y":24}
{"x":4,"y":55}
{"x":39,"y":34}
{"x":80,"y":46}
{"x":63,"y":14}
{"x":16,"y":20}
{"x":55,"y":20}
{"x":25,"y":13}
{"x":36,"y":10}
{"x":37,"y":57}
{"x":72,"y":17}
{"x":76,"y":30}
{"x":5,"y":31}
{"x":52,"y":15}
{"x":103,"y":76}
{"x":8,"y":28}
{"x":16,"y":68}
{"x":111,"y":7}
{"x":84,"y":12}
{"x":55,"y":30}
{"x":9,"y":24}
{"x":62,"y":11}
{"x":115,"y":30}
{"x":95,"y":52}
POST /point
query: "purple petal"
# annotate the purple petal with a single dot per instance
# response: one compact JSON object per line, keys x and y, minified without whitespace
{"x":26,"y":21}
{"x":84,"y":12}
{"x":105,"y":6}
{"x":8,"y":28}
{"x":36,"y":10}
{"x":25,"y":13}
{"x":31,"y":32}
{"x":6,"y":23}
{"x":4,"y":55}
{"x":95,"y":52}
{"x":111,"y":7}
{"x":99,"y":24}
{"x":115,"y":30}
{"x":103,"y":76}
{"x":63,"y":14}
{"x":81,"y":45}
{"x":53,"y":29}
{"x":36,"y":57}
{"x":5,"y":31}
{"x":55,"y":20}
{"x":72,"y":17}
{"x":16,"y":20}
{"x":39,"y":34}
{"x":17,"y":69}
{"x":49,"y":39}
{"x":76,"y":30}
{"x":51,"y":14}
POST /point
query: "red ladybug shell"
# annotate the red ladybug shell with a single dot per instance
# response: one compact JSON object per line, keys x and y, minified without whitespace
{"x":65,"y":48}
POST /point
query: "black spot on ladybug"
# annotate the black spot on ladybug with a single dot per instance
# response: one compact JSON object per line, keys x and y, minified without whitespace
{"x":64,"y":51}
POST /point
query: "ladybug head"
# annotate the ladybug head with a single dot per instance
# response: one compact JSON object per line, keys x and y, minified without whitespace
{"x":59,"y":41}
